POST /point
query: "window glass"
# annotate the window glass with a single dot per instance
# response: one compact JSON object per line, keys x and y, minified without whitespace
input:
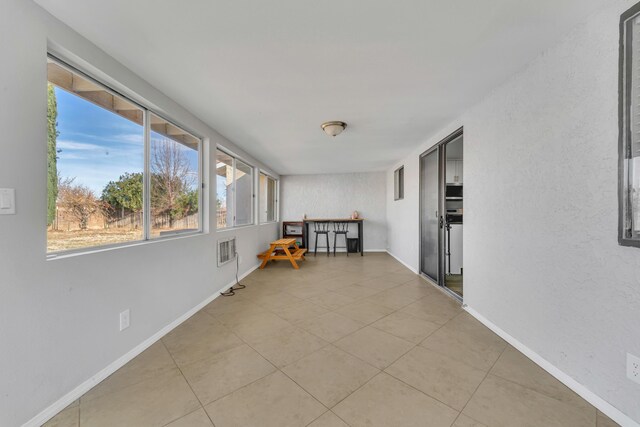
{"x":175,"y":181}
{"x":244,"y":193}
{"x":97,"y":164}
{"x":95,"y":152}
{"x":224,"y":186}
{"x":267,"y":198}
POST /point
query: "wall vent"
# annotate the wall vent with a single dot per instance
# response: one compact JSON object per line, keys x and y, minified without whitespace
{"x":226,"y":250}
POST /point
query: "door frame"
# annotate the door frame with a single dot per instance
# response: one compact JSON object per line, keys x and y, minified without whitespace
{"x":440,"y":147}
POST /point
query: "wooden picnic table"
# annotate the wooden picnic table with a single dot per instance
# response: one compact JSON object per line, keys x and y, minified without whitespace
{"x":279,"y":249}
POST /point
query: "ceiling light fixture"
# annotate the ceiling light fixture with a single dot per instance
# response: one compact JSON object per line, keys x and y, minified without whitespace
{"x":333,"y":128}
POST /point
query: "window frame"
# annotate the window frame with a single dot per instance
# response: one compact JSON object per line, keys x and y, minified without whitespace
{"x":276,"y":201}
{"x":625,"y":234}
{"x":235,"y":159}
{"x":147,"y":179}
{"x":146,"y":195}
{"x":398,"y":183}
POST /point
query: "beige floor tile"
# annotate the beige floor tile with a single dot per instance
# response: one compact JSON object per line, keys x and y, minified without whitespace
{"x":516,"y":367}
{"x":344,"y":280}
{"x":277,"y":300}
{"x":467,"y":340}
{"x":299,"y":312}
{"x":406,"y":326}
{"x":377,"y":283}
{"x":417,"y":288}
{"x":356,"y":291}
{"x":305,"y":291}
{"x":499,"y":402}
{"x":374,"y":346}
{"x":400,"y":276}
{"x":156,"y":401}
{"x":197,"y":418}
{"x":434,"y":308}
{"x":331,"y":300}
{"x":328,"y":419}
{"x":603,"y":421}
{"x":391,"y":299}
{"x":69,"y":417}
{"x":464,"y":421}
{"x":330,"y":326}
{"x":449,"y":381}
{"x":226,"y":372}
{"x":287,"y":346}
{"x":273,"y":401}
{"x":384,"y":401}
{"x":330,"y":374}
{"x":240,"y":308}
{"x":148,"y":364}
{"x":192,"y":342}
{"x":230,"y":305}
{"x":365,"y":311}
{"x":258,"y":325}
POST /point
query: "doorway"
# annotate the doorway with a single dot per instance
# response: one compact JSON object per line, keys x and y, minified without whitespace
{"x":441,"y":213}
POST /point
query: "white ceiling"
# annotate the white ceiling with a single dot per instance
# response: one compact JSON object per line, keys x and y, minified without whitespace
{"x":266,"y":74}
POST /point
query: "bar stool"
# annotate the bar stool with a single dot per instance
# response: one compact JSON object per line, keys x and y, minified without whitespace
{"x":321,"y":227}
{"x":340,"y":227}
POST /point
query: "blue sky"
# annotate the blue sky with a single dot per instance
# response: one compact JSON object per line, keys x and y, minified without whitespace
{"x":97,"y":146}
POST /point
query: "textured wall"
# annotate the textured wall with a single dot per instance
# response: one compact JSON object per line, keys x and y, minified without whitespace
{"x":542,"y":260}
{"x":337,"y":196}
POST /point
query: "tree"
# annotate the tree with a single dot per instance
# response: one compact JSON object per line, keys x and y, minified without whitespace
{"x":170,"y":178}
{"x":52,"y":159}
{"x":187,"y":203}
{"x":77,"y":200}
{"x":125,"y":194}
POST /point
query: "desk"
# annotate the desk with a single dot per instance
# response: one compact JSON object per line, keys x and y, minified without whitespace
{"x":282,"y":245}
{"x":359,"y":221}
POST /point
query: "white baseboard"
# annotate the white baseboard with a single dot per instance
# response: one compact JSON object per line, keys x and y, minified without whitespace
{"x":601,"y":404}
{"x":415,"y":270}
{"x":77,"y":392}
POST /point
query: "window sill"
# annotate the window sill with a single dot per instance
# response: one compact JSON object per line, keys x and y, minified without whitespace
{"x":97,"y":249}
{"x":237,"y":227}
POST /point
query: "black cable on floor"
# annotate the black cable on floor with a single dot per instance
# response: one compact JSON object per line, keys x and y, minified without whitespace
{"x":231,"y":291}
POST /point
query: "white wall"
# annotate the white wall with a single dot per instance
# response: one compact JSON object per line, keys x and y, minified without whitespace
{"x":59,"y":318}
{"x":337,"y":196}
{"x":542,"y":260}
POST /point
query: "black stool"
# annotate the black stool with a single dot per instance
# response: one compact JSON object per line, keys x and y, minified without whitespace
{"x":340,"y":227}
{"x":321,"y":227}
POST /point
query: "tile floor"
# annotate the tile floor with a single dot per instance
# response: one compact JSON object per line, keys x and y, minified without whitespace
{"x":357,"y":341}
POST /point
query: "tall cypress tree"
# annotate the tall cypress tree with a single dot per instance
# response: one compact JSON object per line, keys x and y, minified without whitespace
{"x":52,"y":159}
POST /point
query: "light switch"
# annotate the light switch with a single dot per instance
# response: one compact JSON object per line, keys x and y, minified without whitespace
{"x":7,"y":201}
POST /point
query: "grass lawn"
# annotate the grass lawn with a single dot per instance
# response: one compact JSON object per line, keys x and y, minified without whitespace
{"x":75,"y":239}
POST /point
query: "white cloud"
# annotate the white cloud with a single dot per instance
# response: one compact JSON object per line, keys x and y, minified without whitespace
{"x":73,"y":145}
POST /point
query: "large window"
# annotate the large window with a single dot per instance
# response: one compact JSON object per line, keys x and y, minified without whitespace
{"x":234,"y":188}
{"x":117,"y":173}
{"x":268,"y":198}
{"x":629,"y":164}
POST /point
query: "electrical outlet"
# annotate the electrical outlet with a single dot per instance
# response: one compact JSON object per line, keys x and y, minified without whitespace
{"x":633,"y":368}
{"x":239,"y":259}
{"x":125,"y":318}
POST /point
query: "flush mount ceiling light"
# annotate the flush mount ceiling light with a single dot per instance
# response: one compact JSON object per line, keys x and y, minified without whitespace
{"x":333,"y":128}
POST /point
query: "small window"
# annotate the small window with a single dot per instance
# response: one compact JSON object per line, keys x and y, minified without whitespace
{"x":234,"y":188}
{"x":629,"y":150}
{"x":398,"y":183}
{"x":98,"y":168}
{"x":268,"y":198}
